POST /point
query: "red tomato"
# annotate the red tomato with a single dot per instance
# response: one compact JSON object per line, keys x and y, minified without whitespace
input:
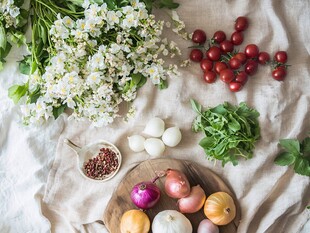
{"x":226,"y":46}
{"x":227,"y":75}
{"x":209,"y":76}
{"x":241,"y":77}
{"x":279,"y":73}
{"x":235,"y":86}
{"x":237,"y":38}
{"x":241,"y":57}
{"x":199,"y":36}
{"x":251,"y":51}
{"x":251,"y":67}
{"x":241,"y":23}
{"x":214,"y":53}
{"x":219,"y":36}
{"x":206,"y":64}
{"x":196,"y":55}
{"x":281,"y":57}
{"x":235,"y":63}
{"x":219,"y":66}
{"x":263,"y":58}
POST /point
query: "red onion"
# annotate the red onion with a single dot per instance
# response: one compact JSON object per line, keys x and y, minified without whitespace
{"x":176,"y":184}
{"x":194,"y":201}
{"x":145,"y":194}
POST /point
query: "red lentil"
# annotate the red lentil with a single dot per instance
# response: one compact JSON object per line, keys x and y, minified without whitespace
{"x":105,"y":163}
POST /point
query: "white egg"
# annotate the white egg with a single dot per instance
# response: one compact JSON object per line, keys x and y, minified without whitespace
{"x":136,"y":143}
{"x":172,"y":136}
{"x":155,"y":127}
{"x":154,"y":146}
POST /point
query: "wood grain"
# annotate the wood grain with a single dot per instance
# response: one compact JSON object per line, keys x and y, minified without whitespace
{"x":196,"y":174}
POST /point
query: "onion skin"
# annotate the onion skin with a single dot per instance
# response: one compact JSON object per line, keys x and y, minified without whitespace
{"x":206,"y":226}
{"x":145,"y":195}
{"x":193,"y":202}
{"x":220,"y":208}
{"x":176,"y":184}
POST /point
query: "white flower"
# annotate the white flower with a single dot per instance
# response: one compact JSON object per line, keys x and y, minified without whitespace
{"x":113,"y":17}
{"x":68,"y":22}
{"x":14,"y":12}
{"x":129,"y":21}
{"x":85,"y":4}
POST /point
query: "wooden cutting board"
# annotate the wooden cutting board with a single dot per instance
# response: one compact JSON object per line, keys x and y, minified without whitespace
{"x":196,"y":174}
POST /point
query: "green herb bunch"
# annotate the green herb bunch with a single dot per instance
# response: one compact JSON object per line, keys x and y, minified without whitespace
{"x":230,"y":131}
{"x":296,"y":154}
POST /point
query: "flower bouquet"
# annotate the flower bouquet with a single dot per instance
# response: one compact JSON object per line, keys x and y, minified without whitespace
{"x":90,"y":56}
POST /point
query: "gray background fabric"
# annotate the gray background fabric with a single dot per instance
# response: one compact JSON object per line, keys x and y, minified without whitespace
{"x":44,"y":192}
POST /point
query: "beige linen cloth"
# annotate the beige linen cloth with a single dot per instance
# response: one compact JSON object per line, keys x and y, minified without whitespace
{"x":273,"y":199}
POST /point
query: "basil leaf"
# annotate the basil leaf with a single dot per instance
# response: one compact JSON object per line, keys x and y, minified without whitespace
{"x":291,"y":145}
{"x":285,"y":159}
{"x":206,"y":142}
{"x":196,"y":106}
{"x":305,"y":146}
{"x":302,"y":166}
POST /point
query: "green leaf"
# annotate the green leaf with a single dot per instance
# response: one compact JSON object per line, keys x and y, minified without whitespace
{"x":163,"y":84}
{"x":3,"y":41}
{"x":22,"y":18}
{"x":206,"y":142}
{"x":34,"y":95}
{"x":168,"y":4}
{"x":148,"y":5}
{"x":24,"y":65}
{"x":302,"y":166}
{"x":59,"y":110}
{"x":196,"y":106}
{"x":4,"y":53}
{"x":305,"y":146}
{"x":291,"y":145}
{"x":111,"y":4}
{"x":233,"y":124}
{"x":18,"y":38}
{"x":285,"y":159}
{"x":17,"y":91}
{"x":308,"y":207}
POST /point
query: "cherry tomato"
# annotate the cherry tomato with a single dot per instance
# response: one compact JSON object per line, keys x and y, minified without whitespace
{"x":235,"y":86}
{"x":226,"y":46}
{"x":241,"y":77}
{"x":206,"y":64}
{"x":234,"y":63}
{"x":281,"y":57}
{"x":219,"y":66}
{"x":209,"y":76}
{"x":279,"y":73}
{"x":237,"y":38}
{"x":196,"y":55}
{"x":227,"y":75}
{"x":251,"y":51}
{"x":214,"y":53}
{"x":241,"y":57}
{"x":199,"y":36}
{"x":241,"y":23}
{"x":263,"y":58}
{"x":219,"y":36}
{"x":251,"y":67}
